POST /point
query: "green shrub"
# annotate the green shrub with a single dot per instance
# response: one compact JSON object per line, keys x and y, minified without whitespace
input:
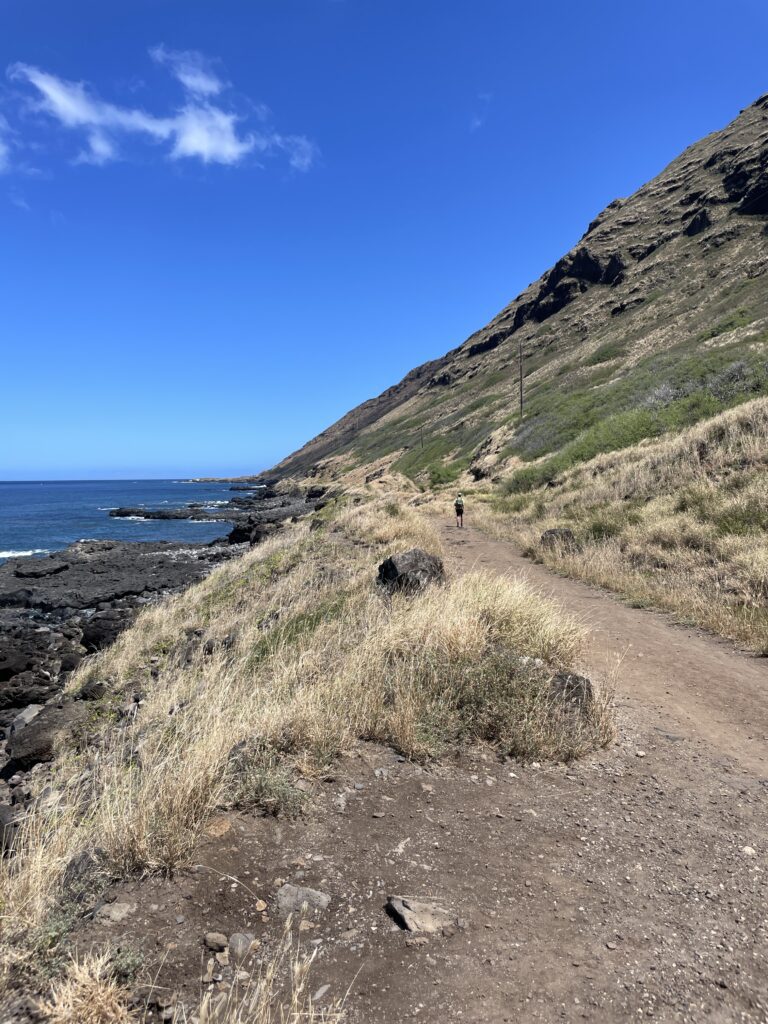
{"x":610,"y":350}
{"x":602,"y":528}
{"x":446,"y":473}
{"x":622,"y":430}
{"x":745,"y":517}
{"x":740,"y":318}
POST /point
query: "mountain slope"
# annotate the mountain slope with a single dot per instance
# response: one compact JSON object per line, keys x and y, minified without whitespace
{"x":657,"y":318}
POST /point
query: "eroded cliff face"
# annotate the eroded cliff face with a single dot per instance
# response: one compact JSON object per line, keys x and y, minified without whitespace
{"x":672,"y":280}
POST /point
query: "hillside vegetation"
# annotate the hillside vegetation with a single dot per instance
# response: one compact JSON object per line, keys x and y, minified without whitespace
{"x":679,"y":523}
{"x":231,"y":692}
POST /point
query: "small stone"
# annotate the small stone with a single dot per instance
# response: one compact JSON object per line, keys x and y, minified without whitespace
{"x":749,"y":851}
{"x":610,"y":945}
{"x":320,"y":993}
{"x":115,"y":913}
{"x":291,"y":898}
{"x":223,"y":958}
{"x":240,"y":944}
{"x":216,"y":941}
{"x":378,"y":814}
{"x":639,"y":753}
{"x":261,"y":906}
{"x":418,"y":915}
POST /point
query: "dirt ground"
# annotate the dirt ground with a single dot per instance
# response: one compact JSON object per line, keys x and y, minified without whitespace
{"x":630,"y":885}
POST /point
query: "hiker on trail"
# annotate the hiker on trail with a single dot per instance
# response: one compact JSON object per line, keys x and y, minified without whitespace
{"x":459,"y":507}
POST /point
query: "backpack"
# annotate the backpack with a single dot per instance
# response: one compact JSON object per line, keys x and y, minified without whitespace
{"x":459,"y":505}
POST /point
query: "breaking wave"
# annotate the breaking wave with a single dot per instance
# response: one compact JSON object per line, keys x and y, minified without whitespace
{"x":24,"y":554}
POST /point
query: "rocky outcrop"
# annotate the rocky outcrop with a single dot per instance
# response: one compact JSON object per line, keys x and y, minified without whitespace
{"x":56,"y":610}
{"x":261,"y":517}
{"x":36,"y":743}
{"x":196,"y":512}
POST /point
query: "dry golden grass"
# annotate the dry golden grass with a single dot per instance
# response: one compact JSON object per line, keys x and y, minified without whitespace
{"x":88,"y":994}
{"x":278,"y":993}
{"x":679,"y":524}
{"x":308,"y":657}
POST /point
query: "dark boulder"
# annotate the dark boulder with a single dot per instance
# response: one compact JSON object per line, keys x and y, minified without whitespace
{"x":103,"y":628}
{"x":36,"y":743}
{"x":92,"y":689}
{"x":252,"y":531}
{"x":8,"y":826}
{"x":410,"y":571}
{"x":316,"y":492}
{"x":561,"y":537}
{"x":571,"y":689}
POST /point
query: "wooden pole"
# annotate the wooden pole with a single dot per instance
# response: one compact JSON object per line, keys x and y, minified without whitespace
{"x":520,"y":365}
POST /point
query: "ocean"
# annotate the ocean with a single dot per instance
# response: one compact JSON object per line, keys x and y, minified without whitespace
{"x":37,"y":517}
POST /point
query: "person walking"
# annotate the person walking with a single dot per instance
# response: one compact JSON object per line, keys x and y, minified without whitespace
{"x":459,"y":508}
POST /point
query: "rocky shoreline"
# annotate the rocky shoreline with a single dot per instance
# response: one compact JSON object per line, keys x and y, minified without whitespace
{"x":55,"y":611}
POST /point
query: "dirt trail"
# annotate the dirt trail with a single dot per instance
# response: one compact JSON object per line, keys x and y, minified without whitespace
{"x":632,"y":885}
{"x":705,"y":688}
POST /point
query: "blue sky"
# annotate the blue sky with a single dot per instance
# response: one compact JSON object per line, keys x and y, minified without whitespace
{"x":225,"y":224}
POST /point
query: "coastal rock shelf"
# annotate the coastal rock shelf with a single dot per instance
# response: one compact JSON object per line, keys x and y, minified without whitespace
{"x":57,"y":610}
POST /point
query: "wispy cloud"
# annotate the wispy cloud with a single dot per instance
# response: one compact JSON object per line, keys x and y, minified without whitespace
{"x":193,"y":70}
{"x":19,"y":202}
{"x":480,"y":114}
{"x":5,"y":148}
{"x":198,"y":129}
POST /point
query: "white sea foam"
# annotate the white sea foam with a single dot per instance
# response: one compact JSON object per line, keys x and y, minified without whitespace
{"x":107,"y":508}
{"x":24,"y":554}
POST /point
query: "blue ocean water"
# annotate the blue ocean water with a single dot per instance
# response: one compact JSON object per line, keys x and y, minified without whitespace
{"x":39,"y":517}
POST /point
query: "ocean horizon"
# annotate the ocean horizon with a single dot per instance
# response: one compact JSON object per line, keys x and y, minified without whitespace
{"x":38,"y":517}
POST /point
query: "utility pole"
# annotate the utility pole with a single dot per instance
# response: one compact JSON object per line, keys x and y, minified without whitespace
{"x":520,"y":366}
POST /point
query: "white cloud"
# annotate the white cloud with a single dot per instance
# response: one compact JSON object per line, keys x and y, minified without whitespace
{"x":19,"y":201}
{"x":210,"y":134}
{"x":5,"y":149}
{"x":192,"y":69}
{"x":198,"y":129}
{"x":301,"y":152}
{"x":101,"y":149}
